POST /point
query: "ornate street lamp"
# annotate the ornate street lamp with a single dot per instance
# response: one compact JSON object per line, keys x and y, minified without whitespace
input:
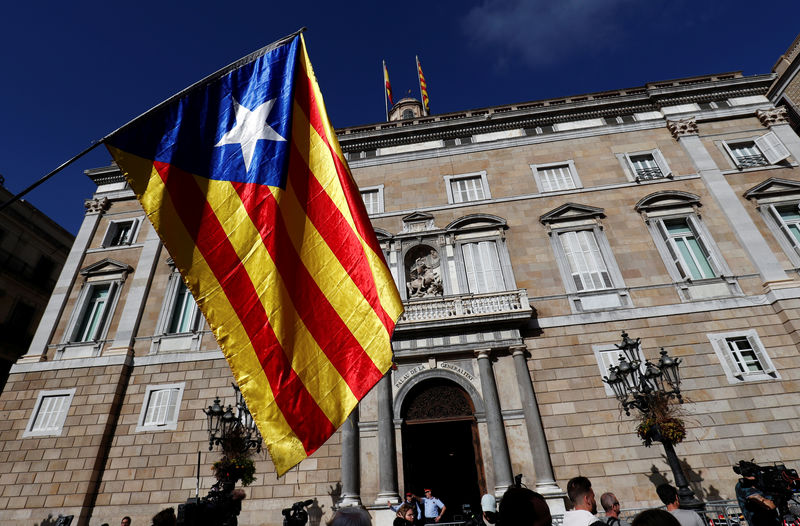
{"x":650,"y":388}
{"x":231,"y":430}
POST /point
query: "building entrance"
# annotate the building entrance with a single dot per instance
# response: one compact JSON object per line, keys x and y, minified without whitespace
{"x":441,"y":448}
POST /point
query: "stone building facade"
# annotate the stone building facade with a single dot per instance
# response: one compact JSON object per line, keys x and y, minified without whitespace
{"x":524,"y":239}
{"x":33,"y":249}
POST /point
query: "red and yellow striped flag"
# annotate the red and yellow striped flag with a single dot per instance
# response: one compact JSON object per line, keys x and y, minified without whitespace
{"x":243,"y":178}
{"x":387,"y":84}
{"x":423,"y":89}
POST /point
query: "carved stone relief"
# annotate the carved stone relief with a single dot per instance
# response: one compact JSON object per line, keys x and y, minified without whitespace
{"x":423,"y":272}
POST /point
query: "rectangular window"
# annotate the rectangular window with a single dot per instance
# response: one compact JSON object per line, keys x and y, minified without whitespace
{"x":646,"y":166}
{"x":762,"y":151}
{"x":467,"y":189}
{"x":742,"y":356}
{"x":789,"y":218}
{"x":49,"y":413}
{"x":555,"y":177}
{"x":161,"y":407}
{"x":588,"y":269}
{"x":482,"y":265}
{"x":120,"y":233}
{"x":94,"y":313}
{"x":184,"y":312}
{"x":687,"y":250}
{"x":746,"y":155}
{"x":371,"y":201}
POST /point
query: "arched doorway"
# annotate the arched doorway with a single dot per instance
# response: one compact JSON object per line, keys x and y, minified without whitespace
{"x":441,"y":448}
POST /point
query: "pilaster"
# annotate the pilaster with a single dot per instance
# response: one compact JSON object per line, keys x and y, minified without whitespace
{"x":55,"y":306}
{"x":686,"y":133}
{"x":137,"y":294}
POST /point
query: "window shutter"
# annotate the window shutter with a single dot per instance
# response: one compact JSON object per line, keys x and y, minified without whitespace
{"x":772,"y":148}
{"x":671,"y":248}
{"x":662,"y":163}
{"x":725,"y":351}
{"x":730,"y":153}
{"x":783,"y":226}
{"x":762,"y":356}
{"x":631,"y":168}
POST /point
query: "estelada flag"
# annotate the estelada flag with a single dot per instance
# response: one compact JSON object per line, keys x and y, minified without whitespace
{"x":243,"y":178}
{"x":423,"y":89}
{"x":387,"y":84}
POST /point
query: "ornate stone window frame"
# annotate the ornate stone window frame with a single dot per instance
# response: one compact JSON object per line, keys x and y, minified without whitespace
{"x":477,"y":228}
{"x":661,"y":206}
{"x":569,"y":164}
{"x":719,"y":342}
{"x":481,"y":176}
{"x":776,"y":192}
{"x":573,"y":217}
{"x":165,"y":341}
{"x":107,"y":272}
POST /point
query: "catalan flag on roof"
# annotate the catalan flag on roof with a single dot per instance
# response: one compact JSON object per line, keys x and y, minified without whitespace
{"x":387,"y":84}
{"x":423,"y":89}
{"x":243,"y":178}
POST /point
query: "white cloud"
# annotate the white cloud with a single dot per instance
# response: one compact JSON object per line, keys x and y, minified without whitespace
{"x":540,"y":32}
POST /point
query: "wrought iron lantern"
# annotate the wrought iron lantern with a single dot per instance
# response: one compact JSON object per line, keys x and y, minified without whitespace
{"x":227,"y":428}
{"x":643,"y":386}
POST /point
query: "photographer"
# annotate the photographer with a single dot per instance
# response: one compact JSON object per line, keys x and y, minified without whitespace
{"x":758,"y":508}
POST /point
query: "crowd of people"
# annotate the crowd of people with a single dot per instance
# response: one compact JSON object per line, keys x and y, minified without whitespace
{"x":523,"y":507}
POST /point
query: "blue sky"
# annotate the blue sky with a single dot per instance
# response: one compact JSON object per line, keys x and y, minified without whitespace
{"x":74,"y":71}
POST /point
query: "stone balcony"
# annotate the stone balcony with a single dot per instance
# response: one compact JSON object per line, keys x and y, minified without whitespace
{"x":504,"y":307}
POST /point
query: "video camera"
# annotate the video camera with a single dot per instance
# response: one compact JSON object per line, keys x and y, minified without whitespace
{"x":776,"y":480}
{"x":296,"y":515}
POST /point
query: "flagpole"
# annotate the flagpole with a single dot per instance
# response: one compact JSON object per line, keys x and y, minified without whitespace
{"x":227,"y":69}
{"x":63,"y":165}
{"x":419,"y":83}
{"x":385,"y":101}
{"x":217,"y":74}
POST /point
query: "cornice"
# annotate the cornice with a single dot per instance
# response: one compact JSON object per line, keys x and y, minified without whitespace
{"x":552,"y":111}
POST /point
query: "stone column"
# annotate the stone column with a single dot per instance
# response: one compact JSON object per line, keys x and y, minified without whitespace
{"x":545,"y":479}
{"x":69,"y":272}
{"x":778,"y":122}
{"x":387,"y":455}
{"x":137,"y":294}
{"x":746,"y":231}
{"x":351,"y":482}
{"x":503,"y":477}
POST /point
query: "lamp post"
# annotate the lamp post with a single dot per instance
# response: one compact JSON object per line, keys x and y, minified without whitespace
{"x":232,"y":431}
{"x":650,"y":388}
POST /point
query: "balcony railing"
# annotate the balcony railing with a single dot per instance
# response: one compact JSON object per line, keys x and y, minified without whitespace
{"x":466,"y":309}
{"x":647,"y":174}
{"x":751,"y":161}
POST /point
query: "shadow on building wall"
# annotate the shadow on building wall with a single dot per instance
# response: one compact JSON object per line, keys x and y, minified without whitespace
{"x":695,"y":481}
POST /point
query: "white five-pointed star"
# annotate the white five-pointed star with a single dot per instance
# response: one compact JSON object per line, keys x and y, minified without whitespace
{"x":250,"y":127}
